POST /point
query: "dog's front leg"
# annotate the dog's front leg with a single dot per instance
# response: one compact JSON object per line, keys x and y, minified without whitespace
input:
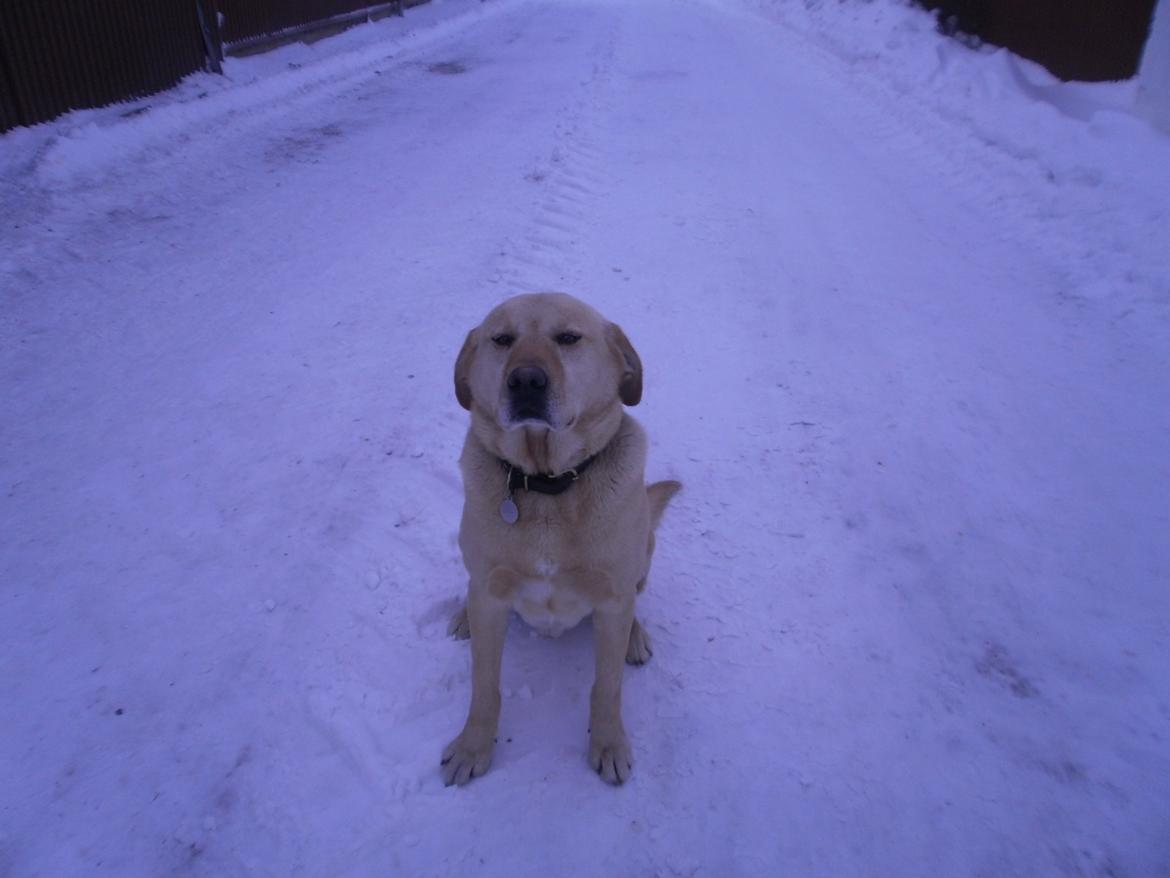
{"x":609,"y":749}
{"x":470,"y":754}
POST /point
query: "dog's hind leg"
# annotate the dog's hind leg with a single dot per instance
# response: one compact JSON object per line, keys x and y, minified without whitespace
{"x":639,"y":650}
{"x":459,"y":627}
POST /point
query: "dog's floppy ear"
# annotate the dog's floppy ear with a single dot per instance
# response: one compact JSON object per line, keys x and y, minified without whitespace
{"x":630,"y":388}
{"x":462,"y":367}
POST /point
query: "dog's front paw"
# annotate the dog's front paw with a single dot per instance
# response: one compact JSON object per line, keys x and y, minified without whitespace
{"x":609,"y":754}
{"x":468,"y":756}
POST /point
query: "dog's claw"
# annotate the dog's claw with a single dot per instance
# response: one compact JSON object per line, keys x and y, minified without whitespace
{"x":612,"y":760}
{"x":467,"y":757}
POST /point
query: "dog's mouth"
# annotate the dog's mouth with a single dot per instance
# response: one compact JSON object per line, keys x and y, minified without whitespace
{"x":522,"y":415}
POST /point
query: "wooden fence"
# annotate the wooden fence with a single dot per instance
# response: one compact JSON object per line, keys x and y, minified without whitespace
{"x":61,"y":55}
{"x":57,"y":55}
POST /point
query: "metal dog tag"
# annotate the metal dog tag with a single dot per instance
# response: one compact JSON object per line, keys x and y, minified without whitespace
{"x":508,"y":511}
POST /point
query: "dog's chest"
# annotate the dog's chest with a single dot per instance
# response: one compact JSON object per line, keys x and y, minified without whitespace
{"x":547,"y":606}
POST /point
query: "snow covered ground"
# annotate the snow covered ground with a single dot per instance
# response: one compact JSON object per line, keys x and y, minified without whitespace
{"x":905,"y":311}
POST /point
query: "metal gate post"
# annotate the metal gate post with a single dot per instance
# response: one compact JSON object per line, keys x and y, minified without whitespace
{"x":211,"y":42}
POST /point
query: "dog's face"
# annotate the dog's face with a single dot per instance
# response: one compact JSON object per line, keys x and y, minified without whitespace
{"x":545,"y":377}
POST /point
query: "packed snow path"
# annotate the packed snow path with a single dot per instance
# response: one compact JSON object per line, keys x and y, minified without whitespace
{"x":910,"y":612}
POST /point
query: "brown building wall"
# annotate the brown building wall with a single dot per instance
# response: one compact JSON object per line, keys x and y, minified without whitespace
{"x":1075,"y":39}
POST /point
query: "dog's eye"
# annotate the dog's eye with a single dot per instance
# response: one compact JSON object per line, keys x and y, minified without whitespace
{"x":568,"y":338}
{"x":504,"y":340}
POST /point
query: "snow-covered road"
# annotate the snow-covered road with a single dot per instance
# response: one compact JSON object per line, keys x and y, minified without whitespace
{"x":910,"y":612}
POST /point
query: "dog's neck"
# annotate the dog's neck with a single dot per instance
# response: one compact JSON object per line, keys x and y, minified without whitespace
{"x":518,"y":480}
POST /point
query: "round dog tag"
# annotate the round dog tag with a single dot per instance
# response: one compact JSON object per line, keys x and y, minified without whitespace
{"x":508,"y":511}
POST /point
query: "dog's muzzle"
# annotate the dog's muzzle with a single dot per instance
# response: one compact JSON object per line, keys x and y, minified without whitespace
{"x":528,"y":393}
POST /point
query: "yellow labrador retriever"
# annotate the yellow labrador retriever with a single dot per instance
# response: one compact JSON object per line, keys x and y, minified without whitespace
{"x":558,"y":521}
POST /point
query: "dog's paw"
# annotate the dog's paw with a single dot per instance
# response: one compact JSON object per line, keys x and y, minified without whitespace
{"x":459,"y":627}
{"x":468,"y":756}
{"x":609,"y":756}
{"x":639,"y":650}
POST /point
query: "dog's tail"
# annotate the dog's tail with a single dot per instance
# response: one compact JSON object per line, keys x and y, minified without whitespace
{"x":660,"y":494}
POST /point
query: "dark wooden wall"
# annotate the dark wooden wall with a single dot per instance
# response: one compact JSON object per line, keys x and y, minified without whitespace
{"x":1075,"y":39}
{"x":59,"y":55}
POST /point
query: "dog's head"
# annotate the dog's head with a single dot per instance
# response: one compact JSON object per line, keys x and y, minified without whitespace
{"x":544,"y":377}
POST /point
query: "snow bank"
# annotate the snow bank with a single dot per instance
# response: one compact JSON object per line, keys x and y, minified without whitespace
{"x":79,"y":147}
{"x":1075,"y":162}
{"x":1154,"y":93}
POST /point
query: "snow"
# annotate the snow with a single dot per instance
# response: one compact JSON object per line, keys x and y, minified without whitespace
{"x":905,"y":311}
{"x":1154,"y":76}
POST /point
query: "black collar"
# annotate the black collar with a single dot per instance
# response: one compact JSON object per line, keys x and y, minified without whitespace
{"x":520,"y":480}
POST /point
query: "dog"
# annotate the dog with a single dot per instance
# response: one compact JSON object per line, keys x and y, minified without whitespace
{"x":558,"y":522}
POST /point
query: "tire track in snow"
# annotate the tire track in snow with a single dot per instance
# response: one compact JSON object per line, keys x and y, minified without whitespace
{"x":548,"y":254}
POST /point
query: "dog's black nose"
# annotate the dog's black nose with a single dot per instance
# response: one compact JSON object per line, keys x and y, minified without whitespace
{"x":527,"y":380}
{"x":528,"y":393}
